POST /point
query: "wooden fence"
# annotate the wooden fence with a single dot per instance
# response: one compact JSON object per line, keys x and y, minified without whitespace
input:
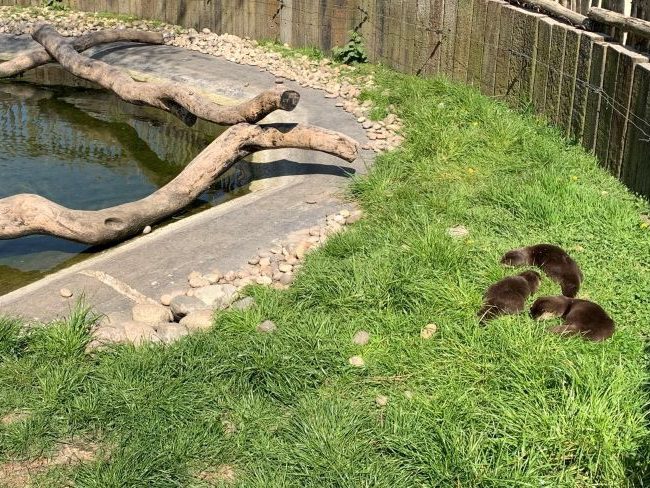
{"x":597,"y":91}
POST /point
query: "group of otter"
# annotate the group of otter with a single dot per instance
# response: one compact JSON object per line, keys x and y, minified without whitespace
{"x":508,"y":296}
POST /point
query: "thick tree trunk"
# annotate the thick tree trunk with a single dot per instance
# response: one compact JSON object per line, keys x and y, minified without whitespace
{"x":25,"y":214}
{"x":38,"y":57}
{"x":172,"y":97}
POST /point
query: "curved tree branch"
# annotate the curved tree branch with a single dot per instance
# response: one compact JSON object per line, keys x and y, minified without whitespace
{"x":25,"y":214}
{"x":39,"y":56}
{"x":172,"y":97}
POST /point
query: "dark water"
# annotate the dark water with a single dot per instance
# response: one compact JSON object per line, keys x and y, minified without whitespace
{"x":86,"y":149}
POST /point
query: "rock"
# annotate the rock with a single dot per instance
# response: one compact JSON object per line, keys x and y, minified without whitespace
{"x":254,"y":260}
{"x":66,"y":292}
{"x":458,"y":232}
{"x":311,"y":199}
{"x":170,"y":332}
{"x":381,"y":400}
{"x":266,"y":327}
{"x":361,"y":338}
{"x":265,"y":262}
{"x":199,"y":320}
{"x":357,"y":361}
{"x":109,"y":335}
{"x":354,"y":217}
{"x":344,"y":213}
{"x":146,"y":230}
{"x":217,"y":296}
{"x":183,"y":305}
{"x":198,"y":281}
{"x":243,"y":304}
{"x":302,"y":248}
{"x":150,"y":313}
{"x":138,"y":333}
{"x":206,"y":31}
{"x":428,"y":331}
{"x":286,"y":278}
{"x":264,"y":280}
{"x":213,"y":277}
{"x":167,"y":298}
{"x":285,"y":268}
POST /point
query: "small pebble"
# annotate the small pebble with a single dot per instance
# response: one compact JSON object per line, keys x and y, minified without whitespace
{"x":65,"y":292}
{"x":381,"y":400}
{"x":357,"y":361}
{"x":266,"y":327}
{"x":361,"y":338}
{"x":146,"y":230}
{"x":428,"y":331}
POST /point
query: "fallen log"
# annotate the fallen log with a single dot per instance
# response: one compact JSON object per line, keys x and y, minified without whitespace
{"x":38,"y":57}
{"x":629,"y":24}
{"x":27,"y":214}
{"x":171,"y":97}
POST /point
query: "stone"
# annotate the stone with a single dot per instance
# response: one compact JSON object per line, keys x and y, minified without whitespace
{"x":458,"y":232}
{"x":146,"y":230}
{"x":206,"y":31}
{"x":266,"y":327}
{"x":199,"y":320}
{"x":357,"y":361}
{"x":354,"y":217}
{"x":265,"y":262}
{"x":170,"y":332}
{"x":150,"y":313}
{"x":217,"y":296}
{"x":428,"y":331}
{"x":213,"y":277}
{"x":344,"y":213}
{"x":264,"y":280}
{"x":285,"y":268}
{"x":243,"y":303}
{"x":109,"y":335}
{"x":361,"y":338}
{"x":302,"y":248}
{"x":138,"y":333}
{"x":197,"y":280}
{"x":184,"y":305}
{"x":167,"y":298}
{"x":254,"y":260}
{"x":66,"y":292}
{"x":286,"y":278}
{"x":381,"y":400}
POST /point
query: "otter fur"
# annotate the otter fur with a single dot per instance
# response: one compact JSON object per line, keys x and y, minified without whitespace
{"x":580,"y":317}
{"x":553,"y":260}
{"x":509,"y":295}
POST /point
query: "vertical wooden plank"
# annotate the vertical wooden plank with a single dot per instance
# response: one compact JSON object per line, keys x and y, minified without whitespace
{"x":583,"y":75}
{"x":555,"y":62}
{"x":503,"y":56}
{"x":448,"y":40}
{"x":592,"y":110}
{"x":621,"y":101}
{"x":477,"y":43}
{"x":286,"y":22}
{"x":491,"y":46}
{"x":438,"y":12}
{"x":463,"y":36}
{"x":635,"y":170}
{"x":568,"y":79}
{"x":544,"y":28}
{"x":606,"y":108}
{"x":522,"y":55}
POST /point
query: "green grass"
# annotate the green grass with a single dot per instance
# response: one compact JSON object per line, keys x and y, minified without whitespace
{"x":507,"y":405}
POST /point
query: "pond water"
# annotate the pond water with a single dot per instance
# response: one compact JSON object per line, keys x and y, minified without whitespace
{"x":86,"y":149}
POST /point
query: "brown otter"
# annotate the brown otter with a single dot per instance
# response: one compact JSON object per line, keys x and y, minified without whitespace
{"x":579,"y":316}
{"x":553,"y":260}
{"x":509,"y":295}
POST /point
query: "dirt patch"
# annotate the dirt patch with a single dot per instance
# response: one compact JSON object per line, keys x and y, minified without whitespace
{"x":19,"y":473}
{"x":222,"y":474}
{"x":13,"y":417}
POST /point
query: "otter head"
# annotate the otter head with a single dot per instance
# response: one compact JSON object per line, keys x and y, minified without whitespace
{"x":533,"y":278}
{"x":516,"y":257}
{"x":549,"y":307}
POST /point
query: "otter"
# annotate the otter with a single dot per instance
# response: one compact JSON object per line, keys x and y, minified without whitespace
{"x":580,"y":317}
{"x":553,"y":260}
{"x":509,"y":295}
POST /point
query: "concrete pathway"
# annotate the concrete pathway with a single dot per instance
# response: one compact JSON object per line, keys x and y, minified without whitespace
{"x":223,"y":237}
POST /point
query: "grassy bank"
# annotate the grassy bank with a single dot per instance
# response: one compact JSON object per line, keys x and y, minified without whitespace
{"x":506,"y":405}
